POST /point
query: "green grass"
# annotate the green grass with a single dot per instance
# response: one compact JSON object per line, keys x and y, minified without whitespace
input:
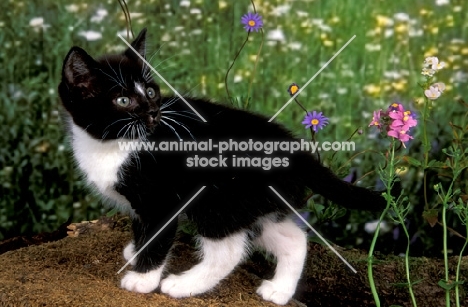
{"x":39,"y":185}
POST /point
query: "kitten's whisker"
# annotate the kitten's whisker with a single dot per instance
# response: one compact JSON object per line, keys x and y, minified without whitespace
{"x":151,"y":74}
{"x":118,"y":84}
{"x":105,"y":135}
{"x":115,"y":122}
{"x":180,"y":124}
{"x":183,"y":115}
{"x":172,"y":128}
{"x":113,"y":79}
{"x":116,"y":75}
{"x":174,"y":99}
{"x":120,"y":72}
{"x":126,"y":125}
{"x":167,"y":59}
{"x":128,"y":131}
{"x":156,"y":52}
{"x":145,"y":69}
{"x":106,"y":130}
{"x":169,"y":103}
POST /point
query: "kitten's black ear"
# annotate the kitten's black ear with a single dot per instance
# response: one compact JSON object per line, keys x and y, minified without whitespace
{"x":139,"y":44}
{"x":77,"y":68}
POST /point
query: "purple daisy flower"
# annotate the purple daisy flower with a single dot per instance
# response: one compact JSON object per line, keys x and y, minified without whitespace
{"x":315,"y":120}
{"x":252,"y":22}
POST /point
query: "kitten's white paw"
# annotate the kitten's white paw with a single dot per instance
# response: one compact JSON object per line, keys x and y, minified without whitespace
{"x":141,"y":282}
{"x":128,"y":253}
{"x":183,"y":286}
{"x":274,"y":292}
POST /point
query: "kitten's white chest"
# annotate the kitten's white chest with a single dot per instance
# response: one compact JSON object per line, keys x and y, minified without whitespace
{"x":100,"y":162}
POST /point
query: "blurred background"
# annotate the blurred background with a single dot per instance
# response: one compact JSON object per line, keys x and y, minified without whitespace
{"x":192,"y":43}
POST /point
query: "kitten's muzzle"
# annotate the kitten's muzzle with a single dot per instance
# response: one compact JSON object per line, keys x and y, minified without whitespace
{"x":153,"y":118}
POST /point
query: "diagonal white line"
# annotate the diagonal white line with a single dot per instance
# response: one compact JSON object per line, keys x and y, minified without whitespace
{"x":162,"y":228}
{"x":313,"y":77}
{"x":161,"y":77}
{"x":318,"y":235}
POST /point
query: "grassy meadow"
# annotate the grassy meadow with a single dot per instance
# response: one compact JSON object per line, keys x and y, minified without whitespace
{"x":192,"y":44}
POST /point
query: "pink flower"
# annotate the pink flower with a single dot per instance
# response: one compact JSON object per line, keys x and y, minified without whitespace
{"x":395,"y":107}
{"x":402,"y":119}
{"x":376,"y":119}
{"x":401,"y":134}
{"x":395,"y":121}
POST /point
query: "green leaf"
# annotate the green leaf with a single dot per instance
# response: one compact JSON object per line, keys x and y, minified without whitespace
{"x":413,"y":161}
{"x":339,"y":213}
{"x":112,"y":212}
{"x":449,"y":286}
{"x":435,"y":163}
{"x":431,"y":216}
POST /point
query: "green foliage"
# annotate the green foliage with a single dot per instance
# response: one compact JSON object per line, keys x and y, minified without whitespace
{"x":192,"y":47}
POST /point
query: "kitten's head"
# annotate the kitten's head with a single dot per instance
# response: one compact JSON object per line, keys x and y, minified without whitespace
{"x":111,"y":97}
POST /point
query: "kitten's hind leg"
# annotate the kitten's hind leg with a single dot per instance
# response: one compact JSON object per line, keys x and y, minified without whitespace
{"x":288,"y":243}
{"x":220,"y":256}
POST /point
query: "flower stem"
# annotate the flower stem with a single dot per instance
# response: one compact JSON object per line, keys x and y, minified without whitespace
{"x":457,"y":274}
{"x":255,"y":69}
{"x":426,"y":149}
{"x":370,"y":274}
{"x":232,"y":64}
{"x":389,"y":174}
{"x":407,"y":269}
{"x":444,"y":228}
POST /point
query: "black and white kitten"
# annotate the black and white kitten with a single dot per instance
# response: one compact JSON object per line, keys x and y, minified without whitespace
{"x":114,"y":99}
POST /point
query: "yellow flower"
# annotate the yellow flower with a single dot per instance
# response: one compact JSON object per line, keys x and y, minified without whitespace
{"x":373,"y":89}
{"x":431,"y":51}
{"x":293,"y":88}
{"x":401,"y":28}
{"x":449,"y":20}
{"x":335,"y":20}
{"x":425,"y":12}
{"x":401,"y":170}
{"x":399,"y":86}
{"x":384,"y":21}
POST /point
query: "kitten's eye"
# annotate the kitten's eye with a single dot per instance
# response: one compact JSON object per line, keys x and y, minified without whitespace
{"x":123,"y":101}
{"x":150,"y":92}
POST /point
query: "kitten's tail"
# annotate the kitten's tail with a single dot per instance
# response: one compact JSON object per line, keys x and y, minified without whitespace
{"x":323,"y":181}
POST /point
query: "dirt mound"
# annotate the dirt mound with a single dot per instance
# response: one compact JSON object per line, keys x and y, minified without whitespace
{"x":80,"y":270}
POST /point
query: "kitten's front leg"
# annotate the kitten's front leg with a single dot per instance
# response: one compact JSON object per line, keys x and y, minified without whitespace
{"x":150,"y":262}
{"x":128,"y":253}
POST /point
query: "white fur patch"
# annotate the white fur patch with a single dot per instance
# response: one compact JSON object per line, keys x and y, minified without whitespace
{"x":142,"y":282}
{"x":100,"y":162}
{"x":220,"y":257}
{"x":128,"y":253}
{"x":288,"y":243}
{"x":140,"y":89}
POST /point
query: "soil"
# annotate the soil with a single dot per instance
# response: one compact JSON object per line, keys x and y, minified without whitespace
{"x":80,"y":270}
